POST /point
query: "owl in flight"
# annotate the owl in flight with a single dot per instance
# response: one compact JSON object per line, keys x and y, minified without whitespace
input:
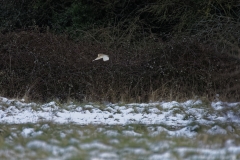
{"x":103,"y":56}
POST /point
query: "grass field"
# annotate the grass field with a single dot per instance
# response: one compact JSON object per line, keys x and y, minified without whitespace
{"x":189,"y":130}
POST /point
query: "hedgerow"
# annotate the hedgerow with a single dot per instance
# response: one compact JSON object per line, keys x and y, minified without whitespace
{"x":168,"y":49}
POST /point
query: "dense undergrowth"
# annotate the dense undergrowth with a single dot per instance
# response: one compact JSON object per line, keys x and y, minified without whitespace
{"x":158,"y":49}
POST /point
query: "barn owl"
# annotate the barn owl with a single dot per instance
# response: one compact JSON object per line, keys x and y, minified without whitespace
{"x":103,"y":56}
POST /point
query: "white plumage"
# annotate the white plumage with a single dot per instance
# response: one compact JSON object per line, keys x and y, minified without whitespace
{"x":102,"y":56}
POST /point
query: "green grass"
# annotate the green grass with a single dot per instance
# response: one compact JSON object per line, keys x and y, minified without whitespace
{"x":57,"y":138}
{"x":70,"y":135}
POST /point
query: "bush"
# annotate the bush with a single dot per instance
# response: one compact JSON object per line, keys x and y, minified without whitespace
{"x":44,"y":66}
{"x":158,"y":49}
{"x":123,"y":20}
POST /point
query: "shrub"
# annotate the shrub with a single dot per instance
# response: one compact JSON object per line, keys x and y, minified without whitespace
{"x":45,"y":66}
{"x":158,"y":49}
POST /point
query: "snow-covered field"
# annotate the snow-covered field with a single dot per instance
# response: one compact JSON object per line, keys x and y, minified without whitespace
{"x":162,"y":130}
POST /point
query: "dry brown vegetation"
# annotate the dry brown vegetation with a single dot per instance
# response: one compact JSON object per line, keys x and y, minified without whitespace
{"x":43,"y":66}
{"x":159,"y":49}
